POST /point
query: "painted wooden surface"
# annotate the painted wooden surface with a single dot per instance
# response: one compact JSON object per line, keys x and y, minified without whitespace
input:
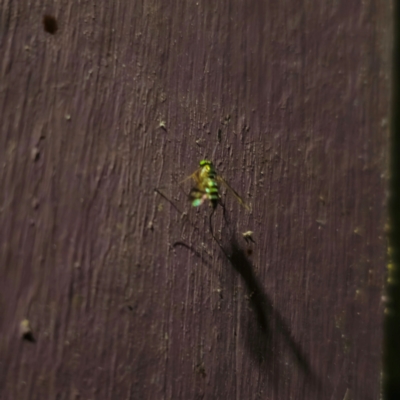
{"x":125,"y":297}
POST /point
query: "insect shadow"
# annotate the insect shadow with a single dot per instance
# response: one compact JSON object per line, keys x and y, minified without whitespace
{"x":267,"y":336}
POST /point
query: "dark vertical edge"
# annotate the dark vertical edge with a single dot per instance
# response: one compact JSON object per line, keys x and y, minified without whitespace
{"x":391,"y":364}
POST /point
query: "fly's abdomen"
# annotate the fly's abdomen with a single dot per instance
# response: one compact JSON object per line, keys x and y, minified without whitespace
{"x":212,"y":192}
{"x":212,"y":189}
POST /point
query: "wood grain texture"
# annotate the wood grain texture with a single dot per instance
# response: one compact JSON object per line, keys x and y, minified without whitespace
{"x":126,"y":298}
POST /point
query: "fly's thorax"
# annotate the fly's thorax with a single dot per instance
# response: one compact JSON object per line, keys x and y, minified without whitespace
{"x":207,"y":167}
{"x":207,"y":172}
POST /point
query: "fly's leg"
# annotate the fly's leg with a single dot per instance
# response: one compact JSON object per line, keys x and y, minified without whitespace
{"x":210,"y":224}
{"x":169,"y":201}
{"x":225,"y":218}
{"x":233,"y":191}
{"x":225,"y":215}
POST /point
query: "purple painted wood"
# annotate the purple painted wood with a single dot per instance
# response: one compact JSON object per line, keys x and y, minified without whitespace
{"x":124,"y":298}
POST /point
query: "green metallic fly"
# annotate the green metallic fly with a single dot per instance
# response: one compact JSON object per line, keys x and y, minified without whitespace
{"x":207,"y":188}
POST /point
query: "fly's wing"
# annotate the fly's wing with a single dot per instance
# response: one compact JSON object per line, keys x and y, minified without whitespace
{"x":197,"y":194}
{"x":238,"y":198}
{"x":194,"y":176}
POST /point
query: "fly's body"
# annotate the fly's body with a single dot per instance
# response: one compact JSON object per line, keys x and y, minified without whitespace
{"x":207,"y":188}
{"x":206,"y":185}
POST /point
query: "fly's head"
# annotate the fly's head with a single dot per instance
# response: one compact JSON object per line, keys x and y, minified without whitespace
{"x":206,"y":164}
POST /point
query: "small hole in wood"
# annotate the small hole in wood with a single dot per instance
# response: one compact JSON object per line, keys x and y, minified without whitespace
{"x":50,"y":24}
